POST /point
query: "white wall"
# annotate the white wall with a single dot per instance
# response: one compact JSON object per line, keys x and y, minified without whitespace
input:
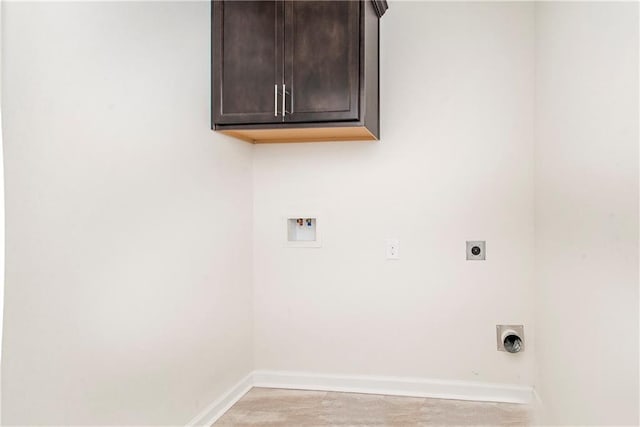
{"x":2,"y":217}
{"x":587,"y":212}
{"x":128,"y":296}
{"x":130,"y":224}
{"x":455,"y":163}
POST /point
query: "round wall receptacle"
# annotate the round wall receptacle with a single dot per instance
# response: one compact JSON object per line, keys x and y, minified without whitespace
{"x":476,"y":250}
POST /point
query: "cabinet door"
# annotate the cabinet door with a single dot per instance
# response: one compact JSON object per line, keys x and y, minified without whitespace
{"x":247,"y":61}
{"x":322,"y":70}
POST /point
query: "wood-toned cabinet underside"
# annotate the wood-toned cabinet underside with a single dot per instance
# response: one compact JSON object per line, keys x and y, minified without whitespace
{"x":295,"y":71}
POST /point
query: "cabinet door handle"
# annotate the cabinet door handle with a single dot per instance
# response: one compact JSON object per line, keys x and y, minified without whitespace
{"x":275,"y":101}
{"x":284,"y":97}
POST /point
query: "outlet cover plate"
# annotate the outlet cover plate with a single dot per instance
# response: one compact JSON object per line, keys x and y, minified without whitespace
{"x":392,"y":247}
{"x":476,"y":250}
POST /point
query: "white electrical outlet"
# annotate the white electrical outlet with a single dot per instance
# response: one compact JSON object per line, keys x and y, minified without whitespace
{"x":393,"y":248}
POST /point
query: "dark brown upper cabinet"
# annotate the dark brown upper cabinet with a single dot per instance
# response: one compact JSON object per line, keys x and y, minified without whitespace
{"x":296,"y":71}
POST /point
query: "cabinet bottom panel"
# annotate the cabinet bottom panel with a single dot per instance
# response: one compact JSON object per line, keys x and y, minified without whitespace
{"x":262,"y":136}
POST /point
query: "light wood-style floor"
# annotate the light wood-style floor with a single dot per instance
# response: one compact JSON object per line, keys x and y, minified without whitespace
{"x":293,"y":408}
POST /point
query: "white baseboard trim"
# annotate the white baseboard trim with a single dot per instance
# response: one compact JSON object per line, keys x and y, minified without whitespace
{"x":396,"y":386}
{"x":216,"y":409}
{"x":392,"y":386}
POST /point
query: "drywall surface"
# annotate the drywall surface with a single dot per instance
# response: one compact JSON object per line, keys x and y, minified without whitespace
{"x":586,"y":169}
{"x":128,"y":297}
{"x":2,"y":217}
{"x":455,"y":163}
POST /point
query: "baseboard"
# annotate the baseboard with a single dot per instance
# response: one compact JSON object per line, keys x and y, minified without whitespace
{"x":215,"y":410}
{"x":393,"y":386}
{"x":396,"y":386}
